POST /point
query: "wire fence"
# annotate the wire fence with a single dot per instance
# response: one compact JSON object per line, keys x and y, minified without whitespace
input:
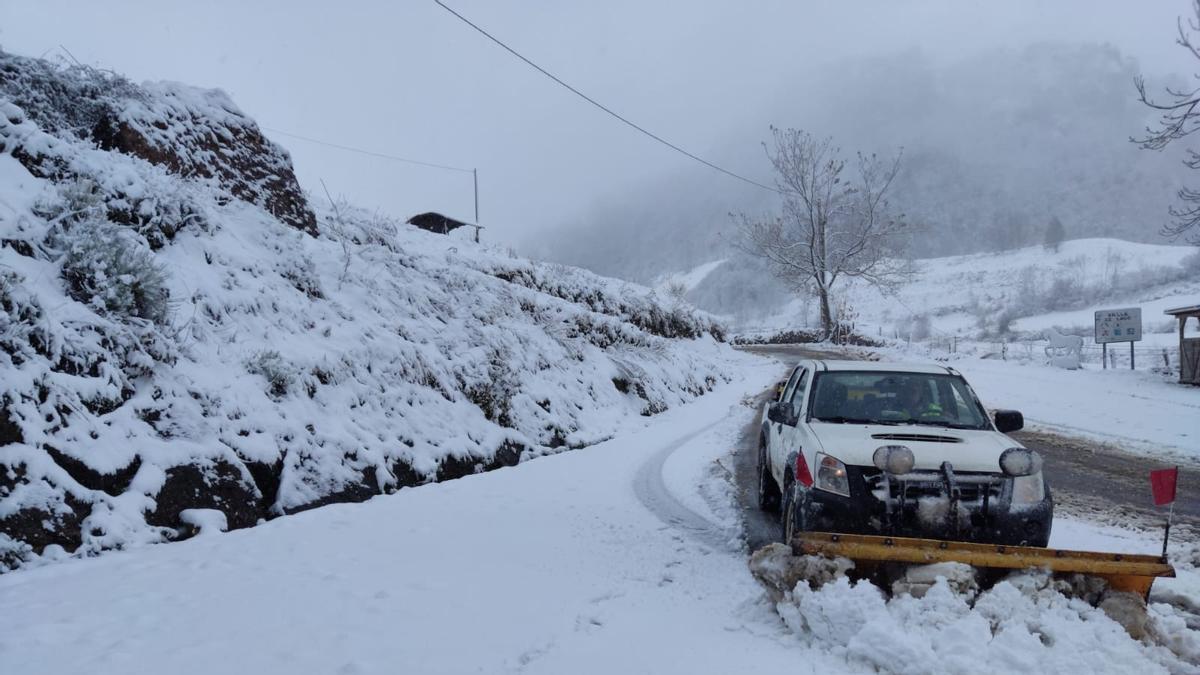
{"x":1119,"y":354}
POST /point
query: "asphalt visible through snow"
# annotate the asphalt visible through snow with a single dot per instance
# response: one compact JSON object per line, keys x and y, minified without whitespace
{"x":1088,"y":478}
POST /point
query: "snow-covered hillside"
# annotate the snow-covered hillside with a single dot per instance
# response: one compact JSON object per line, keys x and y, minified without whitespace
{"x":181,"y":329}
{"x":687,"y":280}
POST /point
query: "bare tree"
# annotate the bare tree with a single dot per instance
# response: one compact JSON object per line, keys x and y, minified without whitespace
{"x":1179,"y":116}
{"x":834,"y":222}
{"x":1055,"y":234}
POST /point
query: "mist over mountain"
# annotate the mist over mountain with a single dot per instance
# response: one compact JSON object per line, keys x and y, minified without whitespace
{"x":995,"y":145}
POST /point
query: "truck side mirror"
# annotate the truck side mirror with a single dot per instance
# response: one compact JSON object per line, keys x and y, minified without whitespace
{"x":773,"y":413}
{"x":781,"y":413}
{"x":1009,"y":420}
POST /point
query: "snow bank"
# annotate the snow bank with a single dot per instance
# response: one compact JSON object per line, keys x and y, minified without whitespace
{"x":1022,"y":624}
{"x":174,"y":337}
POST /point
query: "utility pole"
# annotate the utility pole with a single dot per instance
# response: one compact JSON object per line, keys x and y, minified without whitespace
{"x":475,"y":179}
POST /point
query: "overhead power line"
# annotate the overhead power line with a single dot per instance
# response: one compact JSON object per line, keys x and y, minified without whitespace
{"x":372,"y":153}
{"x":605,"y":108}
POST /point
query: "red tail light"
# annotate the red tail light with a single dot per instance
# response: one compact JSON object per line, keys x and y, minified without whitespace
{"x":802,"y":473}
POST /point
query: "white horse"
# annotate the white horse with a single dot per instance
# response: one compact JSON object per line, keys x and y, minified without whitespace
{"x":1063,"y":345}
{"x":1064,"y":351}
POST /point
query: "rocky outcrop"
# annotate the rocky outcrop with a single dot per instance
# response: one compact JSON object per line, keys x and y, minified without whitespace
{"x":194,"y":133}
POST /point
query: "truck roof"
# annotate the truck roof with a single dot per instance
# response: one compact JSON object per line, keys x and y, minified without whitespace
{"x":888,"y":366}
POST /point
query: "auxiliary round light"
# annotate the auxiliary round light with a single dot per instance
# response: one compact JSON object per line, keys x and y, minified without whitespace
{"x":897,"y":459}
{"x":1018,"y":462}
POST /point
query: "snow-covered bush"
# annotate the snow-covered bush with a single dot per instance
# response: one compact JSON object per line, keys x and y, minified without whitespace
{"x":64,"y":98}
{"x":277,"y":372}
{"x":917,"y":327}
{"x":107,"y":268}
{"x":303,"y":276}
{"x":78,"y":200}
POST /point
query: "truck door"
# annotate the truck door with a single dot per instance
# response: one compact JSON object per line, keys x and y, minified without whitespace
{"x":789,"y":434}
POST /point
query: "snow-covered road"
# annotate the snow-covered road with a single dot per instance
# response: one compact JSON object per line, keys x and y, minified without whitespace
{"x":619,"y":558}
{"x":553,"y":566}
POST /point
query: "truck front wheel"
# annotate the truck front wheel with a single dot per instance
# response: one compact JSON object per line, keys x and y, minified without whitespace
{"x":794,"y":522}
{"x":768,"y":489}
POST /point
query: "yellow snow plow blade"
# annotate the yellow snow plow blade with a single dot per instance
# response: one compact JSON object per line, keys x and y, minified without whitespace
{"x":1123,"y":572}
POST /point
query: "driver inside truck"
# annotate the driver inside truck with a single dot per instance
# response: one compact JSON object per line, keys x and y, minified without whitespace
{"x":916,"y":399}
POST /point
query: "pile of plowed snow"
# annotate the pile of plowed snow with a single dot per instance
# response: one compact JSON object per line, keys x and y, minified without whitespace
{"x":180,"y":330}
{"x":939,"y":621}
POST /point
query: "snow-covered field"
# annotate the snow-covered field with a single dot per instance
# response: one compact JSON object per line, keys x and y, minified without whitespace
{"x":1141,"y":411}
{"x":622,"y":557}
{"x":1037,"y":288}
{"x":948,"y":311}
{"x":1137,"y":410}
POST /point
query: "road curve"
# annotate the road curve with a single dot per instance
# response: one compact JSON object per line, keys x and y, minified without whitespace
{"x":651,"y":490}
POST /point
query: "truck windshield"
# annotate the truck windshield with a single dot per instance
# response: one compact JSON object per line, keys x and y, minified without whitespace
{"x":876,"y":397}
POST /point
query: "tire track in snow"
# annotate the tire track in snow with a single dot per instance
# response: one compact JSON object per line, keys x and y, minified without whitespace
{"x":651,"y":490}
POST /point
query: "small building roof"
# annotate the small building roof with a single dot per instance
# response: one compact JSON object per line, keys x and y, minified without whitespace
{"x":436,"y":222}
{"x":1184,"y":311}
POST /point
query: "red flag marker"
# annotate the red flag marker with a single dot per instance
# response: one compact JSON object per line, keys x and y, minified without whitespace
{"x":1162,"y":484}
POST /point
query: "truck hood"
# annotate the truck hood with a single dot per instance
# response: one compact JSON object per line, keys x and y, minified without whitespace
{"x":965,"y":449}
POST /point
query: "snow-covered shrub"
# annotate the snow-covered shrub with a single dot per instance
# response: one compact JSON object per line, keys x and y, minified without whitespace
{"x":918,"y":327}
{"x":277,"y":371}
{"x":72,"y":99}
{"x":303,"y":276}
{"x":156,"y":212}
{"x":1191,"y":264}
{"x":79,"y":199}
{"x":18,"y":315}
{"x":106,"y":267}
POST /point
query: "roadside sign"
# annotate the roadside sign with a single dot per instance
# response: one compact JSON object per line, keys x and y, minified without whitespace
{"x":1119,"y":325}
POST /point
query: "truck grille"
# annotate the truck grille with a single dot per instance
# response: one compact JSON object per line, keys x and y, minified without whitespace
{"x":927,"y":438}
{"x":971,"y":486}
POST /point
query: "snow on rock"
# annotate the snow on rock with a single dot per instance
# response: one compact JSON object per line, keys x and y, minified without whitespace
{"x":191,"y":132}
{"x":206,"y":521}
{"x":172,"y":338}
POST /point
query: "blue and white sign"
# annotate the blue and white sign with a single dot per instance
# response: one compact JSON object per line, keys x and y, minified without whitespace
{"x":1119,"y":325}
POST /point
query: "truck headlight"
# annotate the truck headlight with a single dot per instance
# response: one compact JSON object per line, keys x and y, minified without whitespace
{"x":1028,"y":489}
{"x":831,"y":475}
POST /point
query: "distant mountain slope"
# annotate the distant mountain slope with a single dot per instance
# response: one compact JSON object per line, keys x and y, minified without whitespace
{"x":1027,"y":289}
{"x":181,"y":329}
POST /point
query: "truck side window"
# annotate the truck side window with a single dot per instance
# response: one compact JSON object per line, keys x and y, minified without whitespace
{"x":791,"y":385}
{"x":797,"y":398}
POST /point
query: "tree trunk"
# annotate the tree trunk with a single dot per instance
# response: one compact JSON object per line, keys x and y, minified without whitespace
{"x":826,"y":315}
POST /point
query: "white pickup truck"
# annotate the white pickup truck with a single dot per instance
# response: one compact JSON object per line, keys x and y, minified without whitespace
{"x":898,"y":449}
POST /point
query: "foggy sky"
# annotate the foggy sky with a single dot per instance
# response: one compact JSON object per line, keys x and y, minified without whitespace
{"x":409,"y":79}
